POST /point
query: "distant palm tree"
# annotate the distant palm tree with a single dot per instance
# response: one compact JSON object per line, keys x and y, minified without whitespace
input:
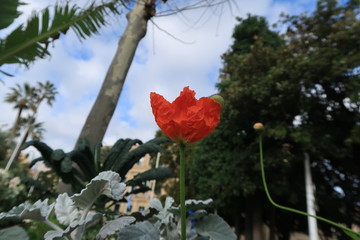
{"x":35,"y":130}
{"x":21,"y":97}
{"x":43,"y":92}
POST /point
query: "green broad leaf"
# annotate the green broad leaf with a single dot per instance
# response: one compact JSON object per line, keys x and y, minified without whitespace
{"x":91,"y":218}
{"x":65,"y":209}
{"x":66,"y":165}
{"x":58,"y":155}
{"x":84,"y":159}
{"x":354,"y":236}
{"x":141,"y":189}
{"x":159,"y":140}
{"x":106,"y":183}
{"x":215,"y":227}
{"x":36,"y":160}
{"x":38,"y":211}
{"x":115,"y":225}
{"x":42,"y":147}
{"x":151,"y":174}
{"x":135,"y":155}
{"x":15,"y":232}
{"x":116,"y":158}
{"x":140,"y":231}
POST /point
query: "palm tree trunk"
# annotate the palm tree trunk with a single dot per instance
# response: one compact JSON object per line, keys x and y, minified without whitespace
{"x":15,"y":126}
{"x":102,"y":111}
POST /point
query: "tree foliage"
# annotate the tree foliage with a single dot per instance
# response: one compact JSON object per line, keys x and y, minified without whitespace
{"x":304,"y":86}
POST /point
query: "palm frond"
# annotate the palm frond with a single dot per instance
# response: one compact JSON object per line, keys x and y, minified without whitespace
{"x":9,"y":12}
{"x":29,"y":42}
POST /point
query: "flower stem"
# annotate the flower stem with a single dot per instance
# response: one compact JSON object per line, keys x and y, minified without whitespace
{"x":182,"y":191}
{"x":291,"y":209}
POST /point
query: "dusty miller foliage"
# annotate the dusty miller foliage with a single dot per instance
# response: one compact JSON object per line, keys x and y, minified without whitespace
{"x":76,"y":213}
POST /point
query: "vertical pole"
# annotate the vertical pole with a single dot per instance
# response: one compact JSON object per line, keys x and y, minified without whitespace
{"x":154,"y":181}
{"x":17,"y":148}
{"x":310,"y":200}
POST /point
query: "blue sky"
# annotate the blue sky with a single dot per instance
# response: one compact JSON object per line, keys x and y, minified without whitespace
{"x":162,"y":64}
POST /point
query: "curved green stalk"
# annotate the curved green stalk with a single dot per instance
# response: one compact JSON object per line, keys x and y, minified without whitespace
{"x":182,"y":191}
{"x":291,"y":209}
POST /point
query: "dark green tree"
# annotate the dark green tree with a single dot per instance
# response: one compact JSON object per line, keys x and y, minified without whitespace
{"x":304,"y":88}
{"x":226,"y":163}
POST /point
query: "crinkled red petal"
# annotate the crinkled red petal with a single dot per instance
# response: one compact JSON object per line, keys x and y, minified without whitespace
{"x":186,"y":118}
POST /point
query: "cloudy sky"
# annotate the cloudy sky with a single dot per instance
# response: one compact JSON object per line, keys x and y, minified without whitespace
{"x":187,"y":55}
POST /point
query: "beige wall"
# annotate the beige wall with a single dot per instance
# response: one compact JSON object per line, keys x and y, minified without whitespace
{"x":138,"y":201}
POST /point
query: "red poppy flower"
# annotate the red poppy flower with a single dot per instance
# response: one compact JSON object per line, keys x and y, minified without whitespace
{"x":186,"y":118}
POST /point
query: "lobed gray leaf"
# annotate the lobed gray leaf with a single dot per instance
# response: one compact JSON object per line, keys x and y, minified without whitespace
{"x":106,"y":183}
{"x":164,"y":215}
{"x":15,"y":232}
{"x":192,"y":204}
{"x":115,"y":225}
{"x":90,"y":218}
{"x":215,"y":227}
{"x":38,"y":211}
{"x":140,"y":231}
{"x":65,"y":209}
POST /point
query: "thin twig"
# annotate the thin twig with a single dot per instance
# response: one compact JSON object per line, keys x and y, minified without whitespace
{"x":169,"y":34}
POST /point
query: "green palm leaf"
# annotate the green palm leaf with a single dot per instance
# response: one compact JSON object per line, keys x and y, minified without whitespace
{"x":9,"y":12}
{"x":29,"y":42}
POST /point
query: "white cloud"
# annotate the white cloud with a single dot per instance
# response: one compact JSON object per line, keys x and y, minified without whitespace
{"x":162,"y":64}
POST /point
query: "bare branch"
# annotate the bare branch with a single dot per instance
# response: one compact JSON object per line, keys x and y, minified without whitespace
{"x":196,"y":5}
{"x":176,"y":38}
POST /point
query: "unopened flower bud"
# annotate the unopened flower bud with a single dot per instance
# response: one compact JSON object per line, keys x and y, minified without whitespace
{"x":219,"y":99}
{"x":258,"y":127}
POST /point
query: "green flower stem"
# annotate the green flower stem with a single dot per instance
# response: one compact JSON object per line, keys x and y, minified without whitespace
{"x":182,"y":191}
{"x":291,"y":209}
